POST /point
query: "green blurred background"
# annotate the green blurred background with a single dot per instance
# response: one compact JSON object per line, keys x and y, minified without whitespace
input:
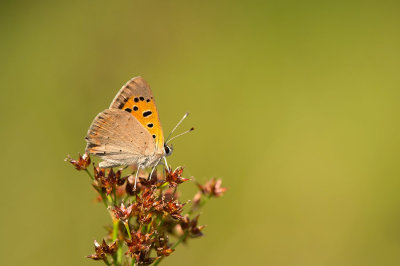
{"x":295,"y":105}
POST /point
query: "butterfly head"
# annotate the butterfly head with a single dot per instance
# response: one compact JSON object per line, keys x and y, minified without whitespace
{"x":168,"y":149}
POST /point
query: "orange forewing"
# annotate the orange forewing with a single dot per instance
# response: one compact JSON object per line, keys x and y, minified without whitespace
{"x":145,"y":111}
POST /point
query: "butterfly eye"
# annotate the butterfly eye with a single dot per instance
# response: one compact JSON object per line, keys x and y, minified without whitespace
{"x":168,"y":150}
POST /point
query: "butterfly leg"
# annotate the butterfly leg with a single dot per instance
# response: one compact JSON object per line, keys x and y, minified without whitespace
{"x":154,"y":167}
{"x":166,"y":164}
{"x":136,"y":176}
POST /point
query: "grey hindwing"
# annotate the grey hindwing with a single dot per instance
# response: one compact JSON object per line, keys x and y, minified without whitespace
{"x":116,"y":135}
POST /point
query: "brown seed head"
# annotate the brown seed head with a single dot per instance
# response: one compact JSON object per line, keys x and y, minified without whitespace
{"x":191,"y":226}
{"x":107,"y":182}
{"x":139,"y":247}
{"x":174,"y":178}
{"x":102,"y":250}
{"x":212,"y":188}
{"x":82,"y":163}
{"x":173,"y":208}
{"x":162,"y":246}
{"x":124,"y":213}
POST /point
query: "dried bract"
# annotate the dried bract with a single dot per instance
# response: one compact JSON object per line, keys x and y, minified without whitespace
{"x":124,"y":213}
{"x":174,"y":178}
{"x":191,"y":226}
{"x":212,"y":188}
{"x":162,"y":246}
{"x":173,"y":208}
{"x":82,"y":163}
{"x":101,"y":251}
{"x":139,"y":247}
{"x":107,"y":182}
{"x":144,"y":218}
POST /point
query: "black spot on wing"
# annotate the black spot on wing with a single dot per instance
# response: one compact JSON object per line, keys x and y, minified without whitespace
{"x":147,"y":113}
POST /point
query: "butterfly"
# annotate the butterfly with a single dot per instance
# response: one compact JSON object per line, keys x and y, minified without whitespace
{"x":129,"y":132}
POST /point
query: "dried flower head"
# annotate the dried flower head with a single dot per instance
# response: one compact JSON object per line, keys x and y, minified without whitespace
{"x":101,"y":251}
{"x":197,"y":198}
{"x":212,"y":188}
{"x":81,"y":164}
{"x":107,"y":182}
{"x":139,"y":246}
{"x":191,"y":226}
{"x":175,"y":178}
{"x":142,"y":182}
{"x":143,"y":219}
{"x":124,"y":213}
{"x":162,"y":246}
{"x":173,"y":208}
{"x":171,"y":194}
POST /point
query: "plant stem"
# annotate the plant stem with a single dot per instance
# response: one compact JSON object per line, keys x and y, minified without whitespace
{"x":102,"y":197}
{"x":148,"y":228}
{"x":201,"y":204}
{"x":115,"y":230}
{"x":128,"y":230}
{"x":115,"y":195}
{"x":90,"y":175}
{"x":180,"y":240}
{"x":119,"y":255}
{"x":98,"y":190}
{"x":106,"y":262}
{"x":126,"y":198}
{"x":164,"y":185}
{"x":109,"y":199}
{"x":114,"y":238}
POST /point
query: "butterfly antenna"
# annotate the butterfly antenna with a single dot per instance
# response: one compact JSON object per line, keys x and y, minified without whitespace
{"x":177,"y":125}
{"x":183,"y":133}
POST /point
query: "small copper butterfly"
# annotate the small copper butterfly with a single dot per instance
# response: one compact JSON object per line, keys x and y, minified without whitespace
{"x":129,"y":131}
